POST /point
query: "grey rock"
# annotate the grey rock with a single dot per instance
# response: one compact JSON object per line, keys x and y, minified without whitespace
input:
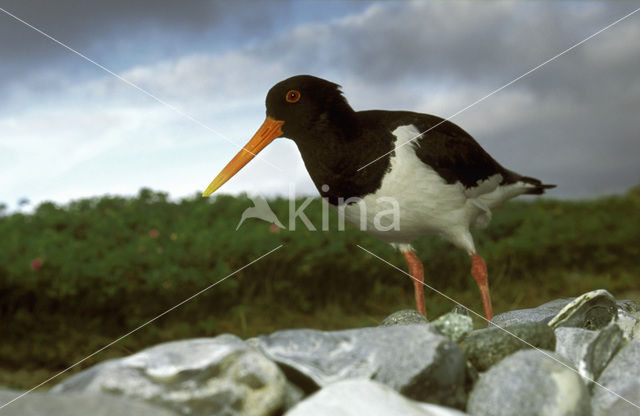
{"x":74,"y":404}
{"x":485,"y":347}
{"x":630,"y":306}
{"x":572,"y":344}
{"x":628,"y":404}
{"x":543,"y":313}
{"x":588,"y":351}
{"x":404,"y":317}
{"x":592,"y":310}
{"x":365,"y":397}
{"x":415,"y":360}
{"x":462,"y":310}
{"x":604,"y":347}
{"x":620,"y":378}
{"x":472,"y":376}
{"x":206,"y":376}
{"x":529,"y":383}
{"x":454,"y":325}
{"x":293,"y":394}
{"x":628,"y":323}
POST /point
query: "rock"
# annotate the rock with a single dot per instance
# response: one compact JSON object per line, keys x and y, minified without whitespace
{"x":627,"y":405}
{"x":572,"y":343}
{"x":459,"y":309}
{"x":629,"y":325}
{"x":221,"y":375}
{"x":628,"y":320}
{"x":592,"y":310}
{"x":529,"y":383}
{"x":620,"y":378}
{"x":454,"y":325}
{"x":630,"y":306}
{"x":74,"y":404}
{"x":472,"y":376}
{"x":404,"y":317}
{"x":485,"y":347}
{"x":588,"y":351}
{"x":415,"y":360}
{"x":543,"y":313}
{"x":364,"y":397}
{"x":603,"y":348}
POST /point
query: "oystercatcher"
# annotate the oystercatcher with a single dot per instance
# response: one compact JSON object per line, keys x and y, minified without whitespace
{"x":431,"y":176}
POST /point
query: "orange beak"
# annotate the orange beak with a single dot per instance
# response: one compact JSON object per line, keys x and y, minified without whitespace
{"x":269,"y":130}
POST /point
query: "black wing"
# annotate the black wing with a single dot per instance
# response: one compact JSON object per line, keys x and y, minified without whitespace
{"x":452,"y":152}
{"x":456,"y":156}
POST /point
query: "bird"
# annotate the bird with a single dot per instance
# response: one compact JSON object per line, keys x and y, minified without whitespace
{"x":435,"y":176}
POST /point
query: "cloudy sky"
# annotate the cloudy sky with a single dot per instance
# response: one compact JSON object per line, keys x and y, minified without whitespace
{"x":69,"y":129}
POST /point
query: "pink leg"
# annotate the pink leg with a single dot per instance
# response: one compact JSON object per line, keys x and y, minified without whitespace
{"x":417,"y":273}
{"x":479,"y":272}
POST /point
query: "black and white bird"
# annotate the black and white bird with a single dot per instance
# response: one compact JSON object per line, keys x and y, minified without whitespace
{"x":435,"y":175}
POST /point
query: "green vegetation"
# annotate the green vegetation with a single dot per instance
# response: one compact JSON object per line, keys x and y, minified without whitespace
{"x":74,"y":278}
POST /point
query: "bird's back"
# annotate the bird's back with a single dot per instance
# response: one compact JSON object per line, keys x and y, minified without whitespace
{"x":451,"y":151}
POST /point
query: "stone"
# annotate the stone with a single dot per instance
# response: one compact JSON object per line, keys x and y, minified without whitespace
{"x":620,"y":378}
{"x":221,"y":375}
{"x":588,"y":351}
{"x":462,"y":310}
{"x":74,"y":404}
{"x":604,"y":347}
{"x":415,"y":360}
{"x":628,"y":404}
{"x":543,"y":313}
{"x":530,"y":383}
{"x":485,"y":347}
{"x":404,"y":317}
{"x":364,"y":397}
{"x":454,"y":325}
{"x":630,"y":306}
{"x":629,"y":318}
{"x":572,"y":344}
{"x":592,"y":310}
{"x":630,"y":326}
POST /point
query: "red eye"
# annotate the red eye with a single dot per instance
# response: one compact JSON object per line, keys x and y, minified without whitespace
{"x":293,"y":96}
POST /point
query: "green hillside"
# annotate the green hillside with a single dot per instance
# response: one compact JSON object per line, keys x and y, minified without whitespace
{"x":73,"y":278}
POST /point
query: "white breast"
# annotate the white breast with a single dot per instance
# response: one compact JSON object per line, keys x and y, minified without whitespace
{"x":413,"y":200}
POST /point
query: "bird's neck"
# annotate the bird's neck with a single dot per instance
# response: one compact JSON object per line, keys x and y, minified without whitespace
{"x":334,"y":155}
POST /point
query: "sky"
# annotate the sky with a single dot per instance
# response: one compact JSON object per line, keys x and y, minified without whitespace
{"x":201,"y":70}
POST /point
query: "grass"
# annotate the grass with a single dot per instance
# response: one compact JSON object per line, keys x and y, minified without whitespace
{"x":263,"y":316}
{"x":104,"y":271}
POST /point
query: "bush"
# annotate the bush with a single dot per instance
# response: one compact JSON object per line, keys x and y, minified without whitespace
{"x":105,"y":265}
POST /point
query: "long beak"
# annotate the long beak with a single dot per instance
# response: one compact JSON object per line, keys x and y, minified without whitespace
{"x":270,"y":129}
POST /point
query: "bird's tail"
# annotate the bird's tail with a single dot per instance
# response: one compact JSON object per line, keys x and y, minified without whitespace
{"x":536,"y":186}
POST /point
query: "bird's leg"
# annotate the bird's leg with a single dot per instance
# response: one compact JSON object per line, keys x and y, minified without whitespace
{"x":417,"y":274}
{"x":479,"y":272}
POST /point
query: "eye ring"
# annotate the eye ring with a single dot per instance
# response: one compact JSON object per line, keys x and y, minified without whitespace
{"x":293,"y":96}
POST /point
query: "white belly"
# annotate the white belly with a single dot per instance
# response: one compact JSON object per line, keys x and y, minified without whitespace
{"x":413,"y":200}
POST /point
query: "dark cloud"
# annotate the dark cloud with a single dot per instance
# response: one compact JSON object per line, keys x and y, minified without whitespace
{"x":120,"y":33}
{"x":445,"y":41}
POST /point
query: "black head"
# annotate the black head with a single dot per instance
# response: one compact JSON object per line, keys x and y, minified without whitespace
{"x":305,"y":104}
{"x":309,"y":110}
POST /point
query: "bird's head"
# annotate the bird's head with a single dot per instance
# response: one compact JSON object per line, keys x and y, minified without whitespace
{"x":296,"y":107}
